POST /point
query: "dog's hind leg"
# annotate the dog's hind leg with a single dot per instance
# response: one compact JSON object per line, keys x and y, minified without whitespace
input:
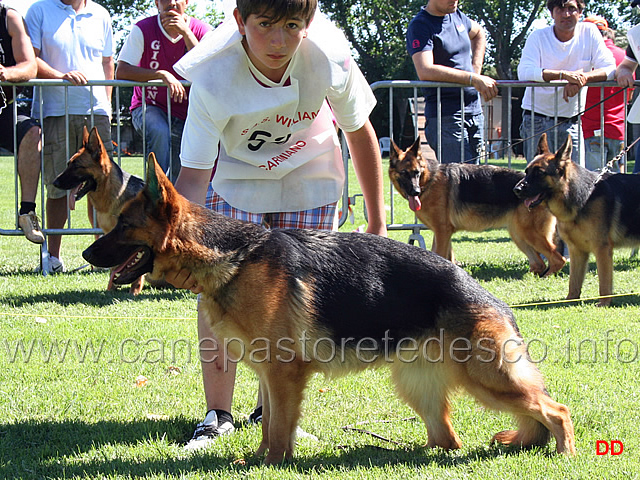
{"x":425,"y":388}
{"x":536,"y":264}
{"x":511,"y":382}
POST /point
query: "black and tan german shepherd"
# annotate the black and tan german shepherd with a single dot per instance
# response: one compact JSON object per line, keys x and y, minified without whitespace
{"x":451,"y":197}
{"x":305,"y":301}
{"x":91,"y":172}
{"x":596,"y":213}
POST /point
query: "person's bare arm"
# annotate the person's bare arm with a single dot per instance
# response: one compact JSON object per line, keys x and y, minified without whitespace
{"x":26,"y":67}
{"x":365,"y":154}
{"x":176,"y":24}
{"x":108,"y":68}
{"x":47,"y":71}
{"x":427,"y":70}
{"x":126,"y":71}
{"x":625,"y":71}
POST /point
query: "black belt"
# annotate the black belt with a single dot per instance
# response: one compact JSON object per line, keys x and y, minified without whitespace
{"x":573,"y":119}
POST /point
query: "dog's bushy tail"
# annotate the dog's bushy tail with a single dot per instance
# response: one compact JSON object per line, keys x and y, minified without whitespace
{"x":530,"y":433}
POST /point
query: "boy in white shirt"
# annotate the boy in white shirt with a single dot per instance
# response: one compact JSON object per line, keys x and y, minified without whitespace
{"x":265,"y":90}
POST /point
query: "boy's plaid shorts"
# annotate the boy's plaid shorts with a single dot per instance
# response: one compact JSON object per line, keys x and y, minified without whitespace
{"x":320,"y":218}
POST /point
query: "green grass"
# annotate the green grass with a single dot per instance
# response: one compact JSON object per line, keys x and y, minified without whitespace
{"x":77,"y":413}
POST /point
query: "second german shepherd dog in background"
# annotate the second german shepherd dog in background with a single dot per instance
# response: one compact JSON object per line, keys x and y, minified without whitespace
{"x":457,"y":196}
{"x":298,"y":302}
{"x":91,"y":172}
{"x":596,"y":213}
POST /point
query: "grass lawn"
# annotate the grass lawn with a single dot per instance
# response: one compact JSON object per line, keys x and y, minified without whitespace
{"x":98,"y":384}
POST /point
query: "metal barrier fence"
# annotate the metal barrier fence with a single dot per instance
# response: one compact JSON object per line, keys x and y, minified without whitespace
{"x":505,"y":141}
{"x":508,"y":136}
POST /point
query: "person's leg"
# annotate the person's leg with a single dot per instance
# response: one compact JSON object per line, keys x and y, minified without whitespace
{"x":156,"y":133}
{"x":613,"y":147}
{"x":29,"y":159}
{"x":593,"y":152}
{"x":29,"y":142}
{"x":177,"y":127}
{"x":474,"y":138}
{"x":218,"y":372}
{"x":55,"y":161}
{"x":531,"y":129}
{"x":449,"y":137}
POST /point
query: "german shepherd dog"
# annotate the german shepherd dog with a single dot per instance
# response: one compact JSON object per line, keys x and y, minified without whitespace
{"x":596,"y":213}
{"x":458,"y":196}
{"x":303,"y":301}
{"x":91,"y":172}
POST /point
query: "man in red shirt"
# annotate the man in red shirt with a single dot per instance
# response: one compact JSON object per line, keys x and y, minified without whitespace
{"x":612,"y":110}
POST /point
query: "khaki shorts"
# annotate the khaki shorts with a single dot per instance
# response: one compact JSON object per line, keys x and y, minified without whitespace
{"x":56,"y":155}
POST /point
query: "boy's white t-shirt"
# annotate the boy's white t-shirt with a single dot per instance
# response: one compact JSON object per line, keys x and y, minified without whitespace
{"x":277,"y":143}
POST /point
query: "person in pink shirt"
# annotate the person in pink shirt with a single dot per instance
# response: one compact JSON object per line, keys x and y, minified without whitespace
{"x":149,"y":52}
{"x":612,"y":110}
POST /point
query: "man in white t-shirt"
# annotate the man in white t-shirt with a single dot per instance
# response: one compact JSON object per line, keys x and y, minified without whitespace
{"x":568,"y":50}
{"x":265,"y":91}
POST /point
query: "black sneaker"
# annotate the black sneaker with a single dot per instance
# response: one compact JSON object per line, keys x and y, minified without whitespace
{"x":256,"y":416}
{"x":208,"y":431}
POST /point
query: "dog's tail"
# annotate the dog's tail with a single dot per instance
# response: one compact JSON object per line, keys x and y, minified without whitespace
{"x":530,"y":433}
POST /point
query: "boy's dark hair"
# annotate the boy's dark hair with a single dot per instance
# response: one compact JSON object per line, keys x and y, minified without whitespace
{"x":551,"y":4}
{"x":276,"y":10}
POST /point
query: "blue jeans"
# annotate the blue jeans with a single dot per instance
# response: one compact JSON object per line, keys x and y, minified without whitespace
{"x":451,"y":133}
{"x":543,"y":124}
{"x":593,"y":154}
{"x":157,"y":137}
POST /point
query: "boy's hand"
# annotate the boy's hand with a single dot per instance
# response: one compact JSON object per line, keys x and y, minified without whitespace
{"x":183,"y":279}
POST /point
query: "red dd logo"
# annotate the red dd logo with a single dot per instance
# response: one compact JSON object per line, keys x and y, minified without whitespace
{"x":613,"y":447}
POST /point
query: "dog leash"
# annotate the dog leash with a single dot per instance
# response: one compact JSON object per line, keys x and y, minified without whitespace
{"x":608,"y":168}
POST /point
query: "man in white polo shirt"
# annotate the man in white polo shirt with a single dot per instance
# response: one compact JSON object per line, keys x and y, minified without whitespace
{"x":73,"y":41}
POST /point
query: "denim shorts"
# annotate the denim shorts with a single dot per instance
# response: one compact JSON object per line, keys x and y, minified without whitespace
{"x":593,"y":151}
{"x":452,"y":130}
{"x":556,"y":135}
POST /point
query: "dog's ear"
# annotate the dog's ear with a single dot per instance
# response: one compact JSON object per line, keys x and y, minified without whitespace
{"x":155,"y":186}
{"x":415,"y":148}
{"x":543,"y":145}
{"x":563,"y":155}
{"x":94,"y":143}
{"x":162,"y":194}
{"x":394,"y":153}
{"x":85,"y":136}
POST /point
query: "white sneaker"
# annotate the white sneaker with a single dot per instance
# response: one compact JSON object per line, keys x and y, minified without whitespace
{"x":208,"y":431}
{"x":55,"y":265}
